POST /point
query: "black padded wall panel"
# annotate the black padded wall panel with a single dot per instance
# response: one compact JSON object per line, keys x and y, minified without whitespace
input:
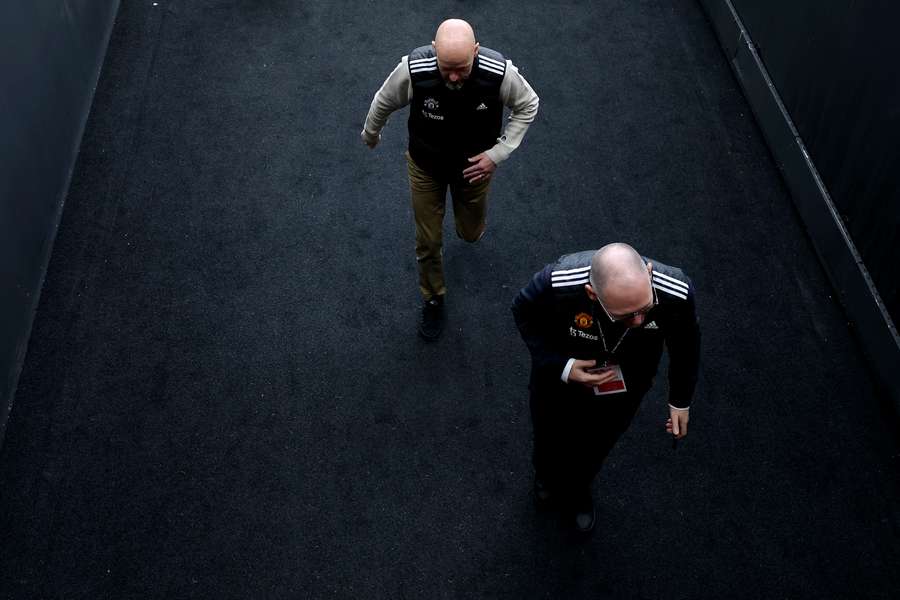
{"x":818,"y":79}
{"x":835,"y":69}
{"x":50,"y":58}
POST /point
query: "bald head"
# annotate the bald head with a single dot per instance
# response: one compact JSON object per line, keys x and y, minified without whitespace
{"x":617,"y":266}
{"x":454,"y":35}
{"x":620,"y":279}
{"x":455,"y":47}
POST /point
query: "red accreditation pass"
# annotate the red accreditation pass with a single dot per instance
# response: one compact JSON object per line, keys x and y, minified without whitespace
{"x":616,"y":385}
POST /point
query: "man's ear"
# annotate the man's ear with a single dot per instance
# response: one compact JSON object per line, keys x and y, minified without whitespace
{"x":590,"y":292}
{"x":649,"y":267}
{"x":432,"y":43}
{"x":477,"y":46}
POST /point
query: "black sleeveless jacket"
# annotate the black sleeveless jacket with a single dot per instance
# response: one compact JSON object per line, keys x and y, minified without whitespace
{"x":446,"y":126}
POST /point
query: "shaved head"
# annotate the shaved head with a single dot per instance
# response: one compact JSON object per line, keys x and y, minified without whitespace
{"x":454,"y":35}
{"x":620,"y":280}
{"x":617,"y":265}
{"x":455,"y":47}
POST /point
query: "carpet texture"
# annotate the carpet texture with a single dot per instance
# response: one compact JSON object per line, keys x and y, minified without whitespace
{"x":225,"y":397}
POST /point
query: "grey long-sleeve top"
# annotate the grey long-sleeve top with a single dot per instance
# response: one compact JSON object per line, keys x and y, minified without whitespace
{"x":515,"y":93}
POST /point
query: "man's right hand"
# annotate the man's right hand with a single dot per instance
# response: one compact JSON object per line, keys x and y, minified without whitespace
{"x":579,"y":374}
{"x":370,"y":140}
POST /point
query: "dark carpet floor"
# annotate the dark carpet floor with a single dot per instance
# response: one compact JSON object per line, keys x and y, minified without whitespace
{"x":224,"y":395}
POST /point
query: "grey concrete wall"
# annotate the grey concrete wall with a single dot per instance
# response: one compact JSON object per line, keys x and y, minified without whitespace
{"x":51,"y":52}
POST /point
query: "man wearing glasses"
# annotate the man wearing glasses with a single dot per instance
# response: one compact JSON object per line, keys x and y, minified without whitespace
{"x":595,"y":323}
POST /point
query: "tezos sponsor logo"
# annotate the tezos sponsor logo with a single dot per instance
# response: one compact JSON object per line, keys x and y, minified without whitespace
{"x":582,"y":334}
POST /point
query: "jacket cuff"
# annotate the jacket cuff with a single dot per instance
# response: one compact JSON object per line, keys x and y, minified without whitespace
{"x":498,"y":153}
{"x":567,"y":370}
{"x":369,"y":136}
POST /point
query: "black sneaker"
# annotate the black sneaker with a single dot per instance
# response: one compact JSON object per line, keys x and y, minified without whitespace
{"x":432,"y":323}
{"x":584,"y":511}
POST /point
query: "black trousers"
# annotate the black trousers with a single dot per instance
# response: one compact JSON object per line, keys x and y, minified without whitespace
{"x":574,"y":431}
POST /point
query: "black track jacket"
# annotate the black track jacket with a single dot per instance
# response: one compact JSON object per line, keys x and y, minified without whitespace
{"x":558,"y":321}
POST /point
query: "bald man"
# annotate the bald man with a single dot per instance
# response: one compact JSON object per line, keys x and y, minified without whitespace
{"x":595,"y":323}
{"x":456,"y":90}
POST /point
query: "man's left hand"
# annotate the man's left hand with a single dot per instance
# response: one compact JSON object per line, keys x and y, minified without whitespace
{"x":481,"y":168}
{"x":678,"y":422}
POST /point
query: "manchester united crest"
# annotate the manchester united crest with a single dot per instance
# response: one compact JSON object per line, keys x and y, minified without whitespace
{"x":583,"y":321}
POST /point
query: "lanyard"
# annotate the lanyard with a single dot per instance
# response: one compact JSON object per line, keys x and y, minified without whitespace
{"x":603,"y":337}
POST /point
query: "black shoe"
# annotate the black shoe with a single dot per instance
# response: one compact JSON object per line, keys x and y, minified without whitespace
{"x":584,"y":511}
{"x":432,"y":323}
{"x":543,"y":497}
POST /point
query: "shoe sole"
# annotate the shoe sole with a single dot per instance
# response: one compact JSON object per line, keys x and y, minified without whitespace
{"x":429,"y":338}
{"x":589,"y":529}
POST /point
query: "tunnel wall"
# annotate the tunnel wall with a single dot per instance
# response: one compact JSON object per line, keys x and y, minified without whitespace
{"x":51,"y":53}
{"x":823,"y":88}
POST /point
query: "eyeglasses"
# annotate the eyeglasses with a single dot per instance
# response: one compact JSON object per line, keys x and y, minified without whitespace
{"x":629,"y":316}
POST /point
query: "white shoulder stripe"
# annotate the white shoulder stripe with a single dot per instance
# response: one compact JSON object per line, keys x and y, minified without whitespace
{"x":567,"y":271}
{"x":490,"y":69}
{"x":569,"y":283}
{"x":568,"y":277}
{"x":677,"y":294}
{"x":423,"y":60}
{"x":671,"y":280}
{"x":492,"y":61}
{"x":422,"y":69}
{"x":671,"y":286}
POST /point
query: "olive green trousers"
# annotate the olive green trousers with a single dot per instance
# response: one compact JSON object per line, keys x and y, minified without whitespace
{"x":429,"y":199}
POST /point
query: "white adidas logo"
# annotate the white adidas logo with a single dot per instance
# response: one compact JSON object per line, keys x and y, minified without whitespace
{"x":481,"y":106}
{"x":651,"y":325}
